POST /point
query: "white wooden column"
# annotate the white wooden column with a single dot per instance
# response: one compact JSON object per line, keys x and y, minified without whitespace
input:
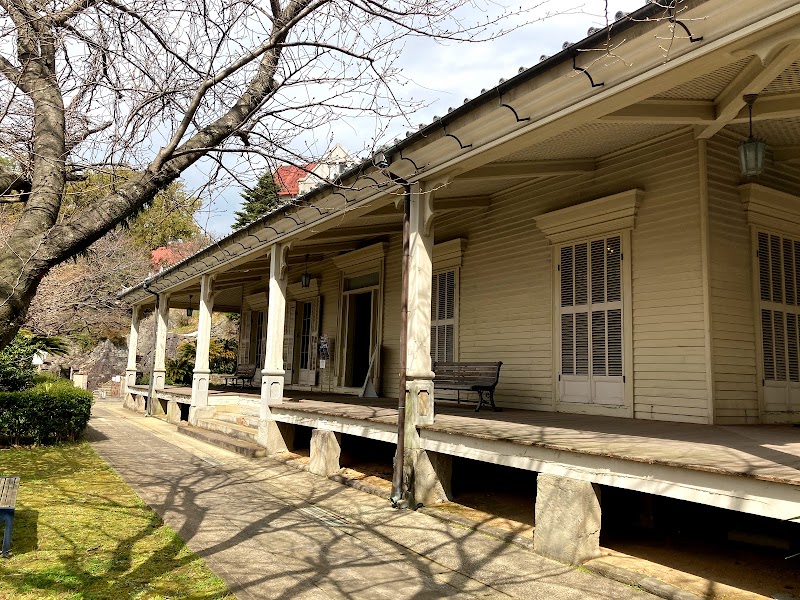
{"x":133,"y":343}
{"x":202,"y":372}
{"x":272,"y":376}
{"x":419,"y":374}
{"x":161,"y":326}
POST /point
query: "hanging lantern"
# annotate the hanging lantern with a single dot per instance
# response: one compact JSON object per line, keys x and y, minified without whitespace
{"x":305,"y":277}
{"x":752,"y":150}
{"x":189,"y":310}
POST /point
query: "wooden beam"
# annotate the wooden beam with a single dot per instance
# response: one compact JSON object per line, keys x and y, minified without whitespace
{"x":312,"y":248}
{"x":528,"y":169}
{"x":703,"y":112}
{"x":786,"y":153}
{"x":752,"y":80}
{"x":777,"y":106}
{"x":461,"y":203}
{"x":679,"y":112}
{"x":363,"y":232}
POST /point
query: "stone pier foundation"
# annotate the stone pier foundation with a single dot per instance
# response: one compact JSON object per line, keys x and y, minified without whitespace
{"x":326,"y":449}
{"x":567,"y":519}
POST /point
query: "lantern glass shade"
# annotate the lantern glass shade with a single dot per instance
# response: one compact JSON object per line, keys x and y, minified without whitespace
{"x":751,"y":156}
{"x":305,"y":279}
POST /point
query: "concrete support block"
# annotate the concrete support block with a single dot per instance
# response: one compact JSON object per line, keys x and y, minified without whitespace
{"x":431,"y":476}
{"x":272,"y":436}
{"x":326,"y":448}
{"x":567,"y":519}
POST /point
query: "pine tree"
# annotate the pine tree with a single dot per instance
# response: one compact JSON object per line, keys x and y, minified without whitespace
{"x":258,"y":201}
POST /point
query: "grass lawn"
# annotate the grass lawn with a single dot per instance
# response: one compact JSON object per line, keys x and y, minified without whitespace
{"x":80,"y":532}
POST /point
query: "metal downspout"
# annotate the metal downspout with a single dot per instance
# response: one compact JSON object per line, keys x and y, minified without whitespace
{"x":397,"y":499}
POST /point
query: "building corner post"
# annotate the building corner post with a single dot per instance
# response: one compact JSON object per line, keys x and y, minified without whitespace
{"x":202,"y":372}
{"x":160,"y":355}
{"x":133,"y":343}
{"x":272,"y":375}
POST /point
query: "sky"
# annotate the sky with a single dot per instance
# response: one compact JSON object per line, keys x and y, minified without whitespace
{"x":443,"y":76}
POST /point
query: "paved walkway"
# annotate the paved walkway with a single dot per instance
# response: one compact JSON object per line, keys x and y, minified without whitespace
{"x":271,"y":531}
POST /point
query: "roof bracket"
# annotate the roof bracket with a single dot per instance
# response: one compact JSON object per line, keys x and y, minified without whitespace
{"x":342,"y":195}
{"x":676,"y":21}
{"x":268,"y":227}
{"x":286,"y":215}
{"x":584,"y":71}
{"x":463,"y":147}
{"x":416,"y":168}
{"x":511,"y":108}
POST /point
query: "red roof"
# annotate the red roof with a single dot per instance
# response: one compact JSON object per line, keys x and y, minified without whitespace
{"x":288,"y":178}
{"x":175,"y":252}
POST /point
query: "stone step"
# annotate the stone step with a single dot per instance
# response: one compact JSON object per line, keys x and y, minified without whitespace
{"x":233,"y":430}
{"x":242,"y":447}
{"x":240,"y":409}
{"x":238,"y":418}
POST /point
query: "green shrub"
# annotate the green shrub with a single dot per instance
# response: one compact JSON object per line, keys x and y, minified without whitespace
{"x":221,"y":358}
{"x":50,"y":413}
{"x":16,"y":367}
{"x":17,"y":371}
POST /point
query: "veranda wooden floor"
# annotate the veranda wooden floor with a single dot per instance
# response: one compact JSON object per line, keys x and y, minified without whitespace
{"x":766,"y":452}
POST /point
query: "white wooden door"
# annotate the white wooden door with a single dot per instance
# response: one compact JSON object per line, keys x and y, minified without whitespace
{"x":590,"y":321}
{"x":288,"y":343}
{"x":309,"y":341}
{"x":779,"y":290}
{"x":244,"y":337}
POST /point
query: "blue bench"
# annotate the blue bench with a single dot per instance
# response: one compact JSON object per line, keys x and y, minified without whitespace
{"x":8,"y":500}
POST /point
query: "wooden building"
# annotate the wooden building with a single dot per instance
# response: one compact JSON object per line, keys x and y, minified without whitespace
{"x":586,"y":223}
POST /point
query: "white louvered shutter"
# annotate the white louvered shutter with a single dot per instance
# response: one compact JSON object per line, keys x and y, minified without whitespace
{"x":590,"y":318}
{"x":288,"y":342}
{"x":443,"y":316}
{"x":244,"y":337}
{"x":779,"y":293}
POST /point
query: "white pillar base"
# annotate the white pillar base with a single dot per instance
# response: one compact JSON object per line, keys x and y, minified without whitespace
{"x":200,"y":381}
{"x":272,"y":387}
{"x":159,"y":379}
{"x":420,"y":400}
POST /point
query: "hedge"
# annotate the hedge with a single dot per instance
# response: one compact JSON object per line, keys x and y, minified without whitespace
{"x":48,"y":413}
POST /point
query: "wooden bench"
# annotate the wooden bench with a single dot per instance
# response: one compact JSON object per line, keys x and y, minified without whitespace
{"x":480,"y":377}
{"x":243,"y":373}
{"x":8,"y":500}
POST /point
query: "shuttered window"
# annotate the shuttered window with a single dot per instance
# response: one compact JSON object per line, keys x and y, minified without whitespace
{"x":590,"y":317}
{"x":778,"y":259}
{"x":443,"y":316}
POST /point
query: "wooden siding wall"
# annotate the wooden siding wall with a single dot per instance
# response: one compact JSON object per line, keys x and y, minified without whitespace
{"x":734,"y":332}
{"x":506,"y":283}
{"x":668,"y":310}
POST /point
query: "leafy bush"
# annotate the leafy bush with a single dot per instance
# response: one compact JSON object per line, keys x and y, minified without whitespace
{"x":49,"y":413}
{"x":221,"y":358}
{"x":17,"y":370}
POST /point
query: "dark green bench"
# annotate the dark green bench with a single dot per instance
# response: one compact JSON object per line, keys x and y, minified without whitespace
{"x":243,"y":373}
{"x":480,"y":377}
{"x":8,"y":500}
